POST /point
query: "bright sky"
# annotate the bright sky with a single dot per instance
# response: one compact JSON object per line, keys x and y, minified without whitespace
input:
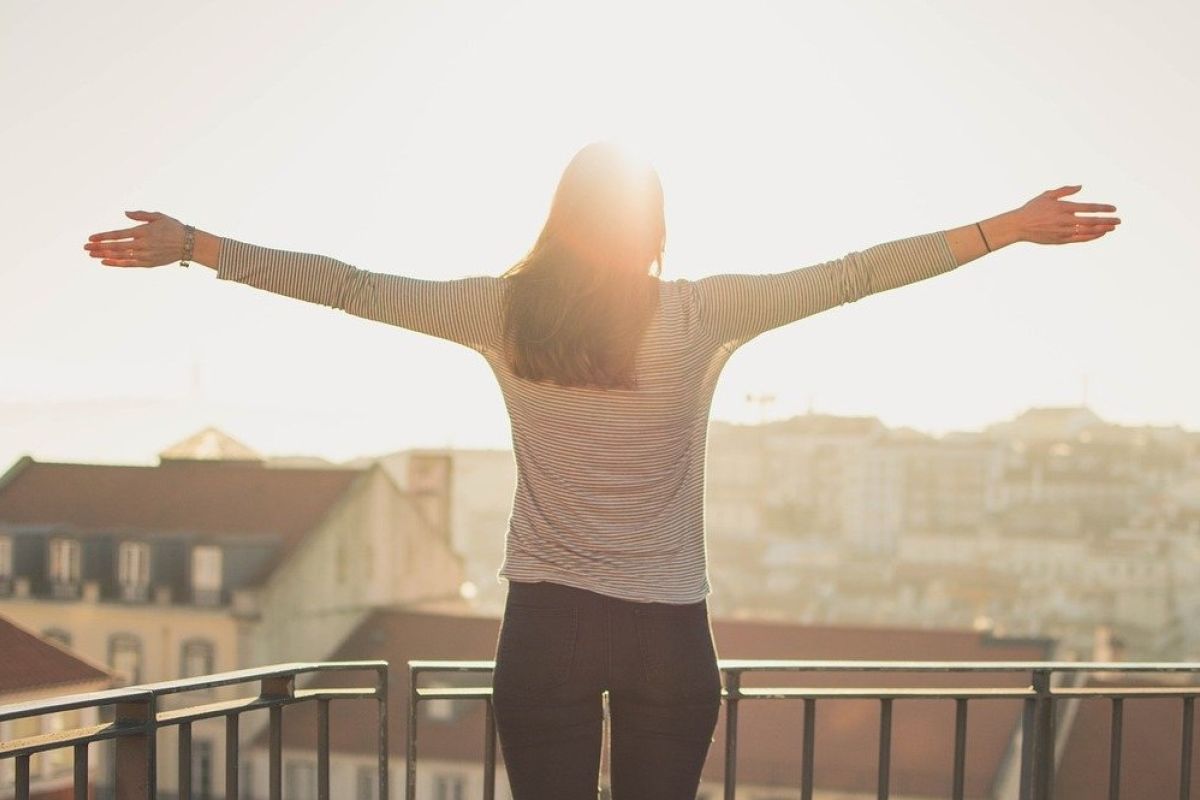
{"x":425,"y":138}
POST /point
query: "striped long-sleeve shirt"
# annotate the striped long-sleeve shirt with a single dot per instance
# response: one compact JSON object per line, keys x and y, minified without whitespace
{"x":610,"y":483}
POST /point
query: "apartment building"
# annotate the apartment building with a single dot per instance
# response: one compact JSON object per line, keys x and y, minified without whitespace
{"x":211,"y":560}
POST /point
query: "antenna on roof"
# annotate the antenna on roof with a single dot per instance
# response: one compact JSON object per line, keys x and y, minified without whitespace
{"x":762,"y":401}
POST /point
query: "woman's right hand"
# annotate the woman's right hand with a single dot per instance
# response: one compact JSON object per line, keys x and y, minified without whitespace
{"x":1048,"y":219}
{"x":157,"y":243}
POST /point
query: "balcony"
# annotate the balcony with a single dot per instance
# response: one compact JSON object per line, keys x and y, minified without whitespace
{"x":1043,"y":690}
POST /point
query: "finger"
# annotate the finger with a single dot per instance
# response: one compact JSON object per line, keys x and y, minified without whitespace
{"x":1088,"y":206}
{"x":1084,"y":236}
{"x":1096,"y":220}
{"x":113,"y":249}
{"x":147,"y":216}
{"x":1063,"y":190}
{"x":123,"y":262}
{"x":127,"y":233}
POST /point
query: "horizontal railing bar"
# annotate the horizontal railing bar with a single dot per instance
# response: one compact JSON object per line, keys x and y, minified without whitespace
{"x":1130,"y":691}
{"x":878,"y":693}
{"x":258,"y":673}
{"x":176,"y":716}
{"x":59,"y":739}
{"x":455,"y":693}
{"x":451,"y":666}
{"x":243,"y":704}
{"x":870,"y":692}
{"x":107,"y":697}
{"x":179,"y":716}
{"x":955,"y":666}
{"x":145,"y":693}
{"x":336,"y":694}
{"x":757,"y":665}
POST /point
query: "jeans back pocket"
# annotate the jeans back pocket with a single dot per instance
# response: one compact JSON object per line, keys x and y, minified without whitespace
{"x":536,"y":647}
{"x":679,"y":659}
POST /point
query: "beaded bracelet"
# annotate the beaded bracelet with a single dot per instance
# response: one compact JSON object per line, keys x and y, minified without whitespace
{"x":189,"y":240}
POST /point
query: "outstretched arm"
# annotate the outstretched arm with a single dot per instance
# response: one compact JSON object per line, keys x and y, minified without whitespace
{"x":733,"y":309}
{"x":465,"y":310}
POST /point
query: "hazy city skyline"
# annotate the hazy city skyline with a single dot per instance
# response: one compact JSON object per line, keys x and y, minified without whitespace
{"x":426,"y":140}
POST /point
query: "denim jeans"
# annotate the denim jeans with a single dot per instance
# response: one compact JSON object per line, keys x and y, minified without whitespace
{"x":559,"y":649}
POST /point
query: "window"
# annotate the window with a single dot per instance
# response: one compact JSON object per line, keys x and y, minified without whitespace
{"x":6,"y":557}
{"x":206,"y":574}
{"x":133,"y":570}
{"x":125,"y":657}
{"x":196,"y":658}
{"x":202,"y":769}
{"x":366,"y":783}
{"x":64,"y":561}
{"x":449,"y":787}
{"x":299,"y":781}
{"x":58,"y":635}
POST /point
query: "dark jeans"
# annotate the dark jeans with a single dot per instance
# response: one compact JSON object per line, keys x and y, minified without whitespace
{"x":559,"y":649}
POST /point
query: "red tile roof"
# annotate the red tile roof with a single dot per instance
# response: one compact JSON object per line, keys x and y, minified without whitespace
{"x":32,"y":663}
{"x":192,"y":497}
{"x":770,"y":732}
{"x":1151,"y":744}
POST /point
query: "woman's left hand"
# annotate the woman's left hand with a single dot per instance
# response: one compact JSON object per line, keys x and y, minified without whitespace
{"x":157,"y":243}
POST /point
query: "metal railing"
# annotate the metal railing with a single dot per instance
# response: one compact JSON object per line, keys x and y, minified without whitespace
{"x":1037,"y":728}
{"x":137,"y":720}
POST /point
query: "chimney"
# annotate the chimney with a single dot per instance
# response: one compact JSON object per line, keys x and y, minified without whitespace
{"x":1104,"y":644}
{"x":430,"y":478}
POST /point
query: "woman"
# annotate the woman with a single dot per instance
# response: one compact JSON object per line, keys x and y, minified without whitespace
{"x":607,"y":372}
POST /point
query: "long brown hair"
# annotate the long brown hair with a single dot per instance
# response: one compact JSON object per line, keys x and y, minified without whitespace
{"x":578,"y":303}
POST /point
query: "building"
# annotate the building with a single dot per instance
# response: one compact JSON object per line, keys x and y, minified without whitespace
{"x":469,"y":495}
{"x":207,"y":564}
{"x":34,"y":668}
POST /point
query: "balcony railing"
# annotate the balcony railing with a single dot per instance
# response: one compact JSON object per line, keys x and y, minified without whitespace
{"x":1039,"y":697}
{"x":139,"y":713}
{"x":137,"y":719}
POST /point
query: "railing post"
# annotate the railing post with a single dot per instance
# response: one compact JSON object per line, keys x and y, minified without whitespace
{"x":807,"y":759}
{"x":1114,"y":749}
{"x":1185,"y":755}
{"x":733,"y":688}
{"x":82,"y":775}
{"x":135,"y":757}
{"x":885,"y":748}
{"x":322,"y":749}
{"x":960,"y":747}
{"x":280,"y":687}
{"x":385,"y":753}
{"x":1037,"y":740}
{"x":22,"y":777}
{"x":410,"y":756}
{"x":184,"y":780}
{"x":231,"y":755}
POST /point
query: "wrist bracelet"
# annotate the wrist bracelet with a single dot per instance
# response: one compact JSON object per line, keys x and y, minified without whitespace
{"x":189,"y":241}
{"x":985,"y":241}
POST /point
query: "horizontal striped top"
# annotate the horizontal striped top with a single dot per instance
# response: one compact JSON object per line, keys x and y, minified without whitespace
{"x":610,"y":483}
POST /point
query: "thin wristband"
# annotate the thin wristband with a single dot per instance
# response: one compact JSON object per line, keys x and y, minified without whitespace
{"x":985,"y":241}
{"x":189,"y":241}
